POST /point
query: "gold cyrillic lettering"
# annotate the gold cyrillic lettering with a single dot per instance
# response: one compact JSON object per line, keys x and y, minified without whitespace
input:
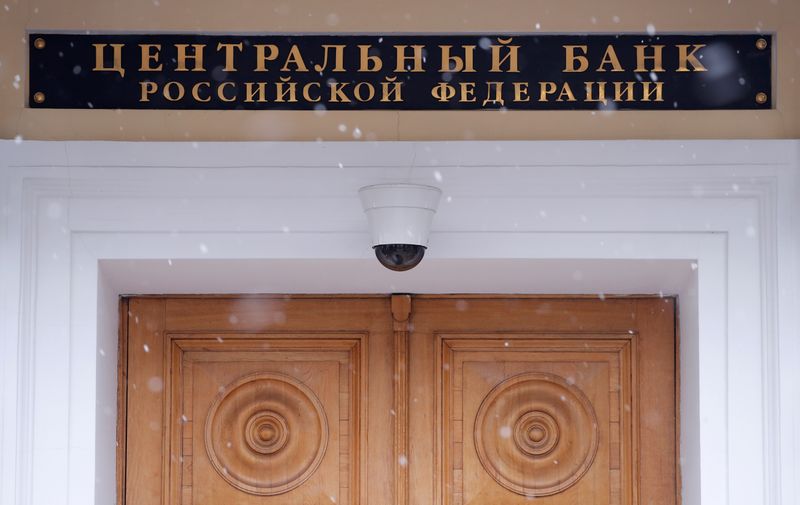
{"x":498,"y":93}
{"x":571,"y":59}
{"x":548,"y":88}
{"x":221,"y":91}
{"x":229,"y":54}
{"x":648,"y":93}
{"x":370,"y":91}
{"x":147,"y":88}
{"x":149,"y":57}
{"x":396,"y":90}
{"x":265,"y":53}
{"x":610,"y":58}
{"x":642,"y":57}
{"x":601,"y":92}
{"x":401,"y":59}
{"x":511,"y":56}
{"x":291,"y":90}
{"x":196,"y":92}
{"x":467,"y":92}
{"x":686,"y":57}
{"x":196,"y":57}
{"x":368,"y":62}
{"x":296,"y":58}
{"x":521,"y":92}
{"x":99,"y":59}
{"x":566,"y":91}
{"x":457,"y":63}
{"x":169,"y":94}
{"x":251,"y":89}
{"x":338,"y":58}
{"x":307,"y":92}
{"x":443,"y":92}
{"x":624,"y":94}
{"x":337,"y":92}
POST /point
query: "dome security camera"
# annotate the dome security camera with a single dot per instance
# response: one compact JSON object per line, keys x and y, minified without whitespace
{"x":399,"y":218}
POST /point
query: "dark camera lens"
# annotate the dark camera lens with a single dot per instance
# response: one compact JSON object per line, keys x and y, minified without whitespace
{"x":399,"y":257}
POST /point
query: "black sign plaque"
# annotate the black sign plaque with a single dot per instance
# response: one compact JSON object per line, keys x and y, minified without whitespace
{"x":401,"y":72}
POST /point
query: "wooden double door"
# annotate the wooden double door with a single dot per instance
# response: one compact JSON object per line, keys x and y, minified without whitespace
{"x":397,"y":400}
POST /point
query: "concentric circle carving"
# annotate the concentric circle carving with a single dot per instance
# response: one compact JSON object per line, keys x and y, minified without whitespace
{"x":266,"y":433}
{"x":536,"y":434}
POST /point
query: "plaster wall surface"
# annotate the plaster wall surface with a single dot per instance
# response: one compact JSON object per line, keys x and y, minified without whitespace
{"x":714,"y":222}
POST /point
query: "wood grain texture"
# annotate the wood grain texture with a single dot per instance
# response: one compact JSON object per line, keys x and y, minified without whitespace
{"x":282,"y":400}
{"x":535,"y":434}
{"x":122,"y":399}
{"x":541,"y":411}
{"x":269,"y":417}
{"x":325,"y":345}
{"x":274,"y":425}
{"x":144,"y":481}
{"x":657,"y":386}
{"x":464,"y":348}
{"x":401,"y":314}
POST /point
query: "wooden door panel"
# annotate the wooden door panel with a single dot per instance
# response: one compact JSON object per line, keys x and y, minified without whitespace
{"x":427,"y":400}
{"x":532,"y":416}
{"x":145,"y":403}
{"x":257,"y":400}
{"x":272,"y":423}
{"x":540,"y":399}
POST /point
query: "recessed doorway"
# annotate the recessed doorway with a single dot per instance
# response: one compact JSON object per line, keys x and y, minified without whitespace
{"x":427,"y":399}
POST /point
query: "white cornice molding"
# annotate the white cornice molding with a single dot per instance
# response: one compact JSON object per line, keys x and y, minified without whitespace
{"x":765,"y":173}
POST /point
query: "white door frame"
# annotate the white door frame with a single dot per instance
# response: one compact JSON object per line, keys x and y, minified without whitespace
{"x":714,"y":222}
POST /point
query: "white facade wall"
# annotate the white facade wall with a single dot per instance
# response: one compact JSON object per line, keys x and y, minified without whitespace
{"x":716,"y":223}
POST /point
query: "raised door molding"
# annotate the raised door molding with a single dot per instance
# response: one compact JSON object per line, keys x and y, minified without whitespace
{"x":73,"y":208}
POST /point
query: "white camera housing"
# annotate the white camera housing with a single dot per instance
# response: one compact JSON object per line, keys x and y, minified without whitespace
{"x":400,"y":217}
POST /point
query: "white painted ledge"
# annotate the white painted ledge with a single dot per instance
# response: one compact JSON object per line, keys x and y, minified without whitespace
{"x":715,"y":222}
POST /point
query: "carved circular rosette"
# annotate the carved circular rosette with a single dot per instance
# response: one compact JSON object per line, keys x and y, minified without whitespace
{"x":536,"y":434}
{"x":266,"y":433}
